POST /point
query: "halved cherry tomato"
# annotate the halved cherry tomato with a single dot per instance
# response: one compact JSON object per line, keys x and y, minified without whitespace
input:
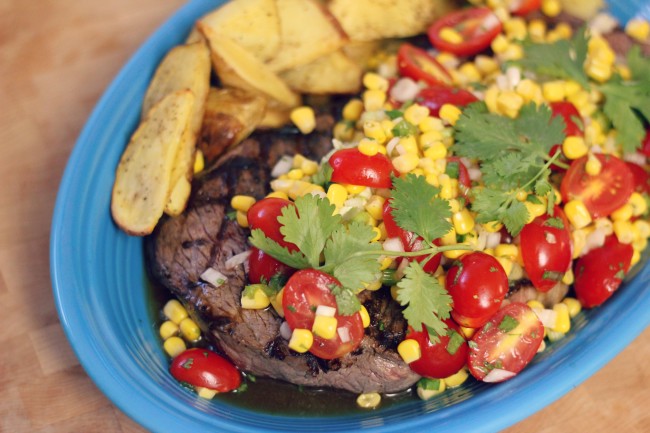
{"x":416,"y":64}
{"x":441,"y":359}
{"x":353,"y":167}
{"x":572,"y":119}
{"x":508,"y":341}
{"x":523,"y":7}
{"x":204,"y":368}
{"x":262,"y":267}
{"x":478,"y":26}
{"x":410,"y":241}
{"x":641,"y":178}
{"x":546,"y":249}
{"x":264,"y":215}
{"x":303,"y":293}
{"x":464,"y":181}
{"x":434,"y":97}
{"x":600,"y":272}
{"x":477,"y":285}
{"x":601,"y":194}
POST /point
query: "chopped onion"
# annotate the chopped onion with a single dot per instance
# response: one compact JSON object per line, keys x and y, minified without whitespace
{"x":213,"y":277}
{"x":636,"y":157}
{"x":595,"y":239}
{"x":493,"y":239}
{"x":393,"y":244}
{"x":285,"y":331}
{"x":344,"y":334}
{"x":390,"y":146}
{"x":546,"y":316}
{"x":283,"y":166}
{"x":475,"y":173}
{"x":514,"y":76}
{"x":325,"y":310}
{"x":399,"y":272}
{"x":602,"y":24}
{"x":237,"y":259}
{"x":498,"y":375}
{"x":404,"y":90}
{"x":502,"y":82}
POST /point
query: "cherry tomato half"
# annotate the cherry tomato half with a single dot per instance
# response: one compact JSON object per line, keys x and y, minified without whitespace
{"x":523,"y":7}
{"x":508,"y":341}
{"x":264,"y":215}
{"x":601,"y":194}
{"x":303,"y":293}
{"x":641,"y":178}
{"x":546,"y":249}
{"x":478,"y":26}
{"x":572,"y":119}
{"x":434,"y":97}
{"x":204,"y":368}
{"x":600,"y":272}
{"x":262,"y":267}
{"x":442,"y":359}
{"x":477,"y":285}
{"x":417,"y":64}
{"x":464,"y":181}
{"x":353,"y":167}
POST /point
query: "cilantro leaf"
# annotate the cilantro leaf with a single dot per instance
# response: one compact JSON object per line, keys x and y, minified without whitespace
{"x":417,"y":209}
{"x":623,"y":100}
{"x":323,"y":176}
{"x":426,"y":301}
{"x":508,"y":323}
{"x":308,"y":224}
{"x":295,"y":259}
{"x":639,"y":65}
{"x":497,"y":205}
{"x":347,"y":302}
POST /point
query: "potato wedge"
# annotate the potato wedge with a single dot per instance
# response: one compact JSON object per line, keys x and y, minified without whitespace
{"x":231,"y":115}
{"x":332,"y":73}
{"x":238,"y":68}
{"x":361,"y":52}
{"x":274,"y":118}
{"x":307,"y":31}
{"x":369,"y":20}
{"x":143,"y":175}
{"x":252,"y":24}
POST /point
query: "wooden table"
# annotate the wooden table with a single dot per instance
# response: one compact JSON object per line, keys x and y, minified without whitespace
{"x":56,"y":59}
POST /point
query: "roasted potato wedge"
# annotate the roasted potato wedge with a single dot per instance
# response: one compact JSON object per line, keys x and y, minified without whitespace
{"x":230,"y":116}
{"x":369,"y":20}
{"x":274,"y":118}
{"x":332,"y":73}
{"x":144,"y":173}
{"x":252,"y":24}
{"x":307,"y":31}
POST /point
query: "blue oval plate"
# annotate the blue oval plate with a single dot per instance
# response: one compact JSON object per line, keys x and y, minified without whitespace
{"x":99,"y":283}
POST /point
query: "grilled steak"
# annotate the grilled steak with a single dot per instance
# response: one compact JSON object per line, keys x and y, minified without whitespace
{"x":182,"y":248}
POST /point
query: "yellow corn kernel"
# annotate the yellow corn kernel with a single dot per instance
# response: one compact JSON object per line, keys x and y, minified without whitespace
{"x":623,"y":213}
{"x":428,"y":138}
{"x":573,"y":305}
{"x":598,"y":71}
{"x":297,"y":160}
{"x":491,"y":95}
{"x":593,"y":165}
{"x":301,"y":340}
{"x":278,"y":194}
{"x":456,"y":380}
{"x":369,"y":400}
{"x":190,"y":330}
{"x":449,"y":34}
{"x":309,"y":167}
{"x":365,"y":317}
{"x":374,"y":100}
{"x":529,"y":90}
{"x":499,"y":44}
{"x":563,"y":320}
{"x":374,"y":130}
{"x":492,"y":226}
{"x":174,"y":346}
{"x":405,"y":163}
{"x":463,"y":221}
{"x":640,"y":244}
{"x":375,"y":206}
{"x":535,"y":305}
{"x":408,"y":144}
{"x":641,"y":228}
{"x":563,"y":30}
{"x":471,"y":72}
{"x":514,"y":52}
{"x":450,"y":113}
{"x":509,"y":103}
{"x":242,"y":219}
{"x":571,"y":88}
{"x":374,"y":81}
{"x":551,"y":8}
{"x":581,"y":101}
{"x":429,"y":388}
{"x":515,"y":28}
{"x":577,"y":213}
{"x":343,"y":131}
{"x":354,"y":189}
{"x":353,"y":109}
{"x":467,"y":332}
{"x":638,"y":203}
{"x":574,"y":147}
{"x":568,"y":278}
{"x":304,"y":118}
{"x":624,"y":231}
{"x":415,"y":114}
{"x":258,"y":301}
{"x":624,"y":72}
{"x":295,"y":174}
{"x":337,"y":194}
{"x":174,"y":311}
{"x":368,"y":147}
{"x":537,"y":30}
{"x":509,"y":251}
{"x":324,"y":326}
{"x":553,"y":91}
{"x":638,"y":29}
{"x":578,"y":240}
{"x":436,"y":151}
{"x":535,"y":209}
{"x":429,"y":124}
{"x":636,"y":257}
{"x":276,"y":302}
{"x":168,"y":329}
{"x":199,"y":161}
{"x":506,"y":264}
{"x":295,"y":188}
{"x":205,"y":393}
{"x":409,"y":350}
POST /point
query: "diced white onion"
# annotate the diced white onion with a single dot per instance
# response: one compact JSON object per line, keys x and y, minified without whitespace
{"x":636,"y":158}
{"x":399,"y":272}
{"x":325,"y":310}
{"x":320,"y":194}
{"x":502,"y":82}
{"x":237,"y":259}
{"x":481,"y":242}
{"x":546,"y":316}
{"x":514,"y":76}
{"x":285,"y":331}
{"x":344,"y":334}
{"x":213,"y":277}
{"x":602,"y":24}
{"x":498,"y":375}
{"x":283,"y":166}
{"x":390,"y":146}
{"x":595,"y":239}
{"x":493,"y":239}
{"x":474,"y":173}
{"x":404,"y":90}
{"x":393,"y":244}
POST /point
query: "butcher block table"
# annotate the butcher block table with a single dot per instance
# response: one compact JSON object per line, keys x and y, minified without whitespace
{"x":56,"y":59}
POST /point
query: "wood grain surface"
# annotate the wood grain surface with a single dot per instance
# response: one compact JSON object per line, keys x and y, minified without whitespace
{"x":56,"y":59}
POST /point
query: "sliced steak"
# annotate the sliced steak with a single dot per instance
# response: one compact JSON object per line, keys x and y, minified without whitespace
{"x":182,"y":248}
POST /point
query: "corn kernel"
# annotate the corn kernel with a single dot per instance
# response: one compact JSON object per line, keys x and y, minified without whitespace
{"x":343,"y":131}
{"x":638,"y":29}
{"x":174,"y":346}
{"x":258,"y":301}
{"x":638,"y":204}
{"x":624,"y":72}
{"x":463,"y":221}
{"x":574,"y":147}
{"x":577,"y":213}
{"x":409,"y":350}
{"x":514,"y":51}
{"x":535,"y":305}
{"x":636,"y":257}
{"x":429,"y":388}
{"x":374,"y":130}
{"x":598,"y":71}
{"x":529,"y":90}
{"x":205,"y":393}
{"x":375,"y":206}
{"x":405,"y":163}
{"x":301,"y":340}
{"x":623,"y":213}
{"x":642,"y":228}
{"x":568,"y":278}
{"x":537,"y":30}
{"x":174,"y":311}
{"x":337,"y":194}
{"x":564,"y":30}
{"x":509,"y":251}
{"x":450,"y":113}
{"x":324,"y":326}
{"x":450,"y":35}
{"x":353,"y":109}
{"x":551,"y":8}
{"x":365,"y":317}
{"x":278,"y":194}
{"x":486,"y":65}
{"x":369,"y":400}
{"x":242,"y":219}
{"x":429,"y":124}
{"x":553,"y":91}
{"x":554,"y":336}
{"x":408,"y":144}
{"x":415,"y":114}
{"x":385,"y":262}
{"x":573,"y":305}
{"x":593,"y":166}
{"x":374,"y":81}
{"x":304,"y":118}
{"x":276,"y":302}
{"x":436,"y":151}
{"x":509,"y":103}
{"x":295,"y":174}
{"x":456,"y":380}
{"x":368,"y":147}
{"x":624,"y":231}
{"x":535,"y":209}
{"x":471,"y":72}
{"x":355,"y":189}
{"x":199,"y":161}
{"x":500,"y":44}
{"x":295,"y":188}
{"x":190,"y":330}
{"x":506,"y":264}
{"x":515,"y":28}
{"x":373,"y":100}
{"x":309,"y":167}
{"x":448,"y":60}
{"x":168,"y":329}
{"x":579,"y":240}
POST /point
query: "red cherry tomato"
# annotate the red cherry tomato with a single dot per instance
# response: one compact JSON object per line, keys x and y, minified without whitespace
{"x":478,"y":26}
{"x":264,"y":215}
{"x":571,"y":116}
{"x":600,"y":272}
{"x":464,"y":181}
{"x":558,"y":148}
{"x":303,"y":293}
{"x":641,"y":178}
{"x":524,"y":7}
{"x":508,"y":341}
{"x":204,"y":368}
{"x":434,"y":97}
{"x":262,"y":267}
{"x":416,"y":64}
{"x":441,"y":359}
{"x":410,"y":241}
{"x":602,"y":194}
{"x":546,"y":249}
{"x":353,"y":167}
{"x":645,"y":148}
{"x":477,"y":285}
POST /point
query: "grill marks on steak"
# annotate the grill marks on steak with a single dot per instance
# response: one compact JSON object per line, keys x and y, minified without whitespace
{"x":182,"y":248}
